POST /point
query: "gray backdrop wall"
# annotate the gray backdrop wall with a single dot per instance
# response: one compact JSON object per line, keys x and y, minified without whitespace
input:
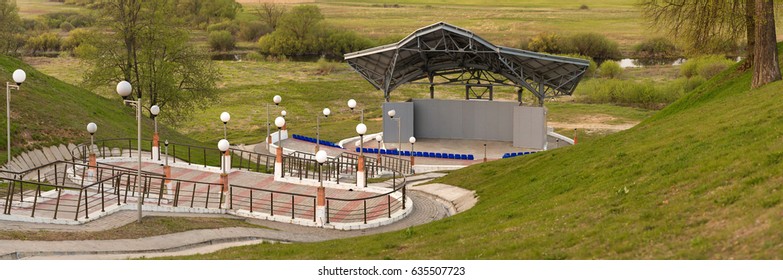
{"x":467,"y":119}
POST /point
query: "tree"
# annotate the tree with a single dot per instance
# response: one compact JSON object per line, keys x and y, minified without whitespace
{"x":302,"y":21}
{"x":765,"y":53}
{"x":10,"y":27}
{"x":708,"y":26}
{"x":150,"y":49}
{"x":270,"y":13}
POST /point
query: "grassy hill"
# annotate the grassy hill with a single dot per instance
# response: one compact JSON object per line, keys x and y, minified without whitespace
{"x":699,"y":180}
{"x":47,"y":111}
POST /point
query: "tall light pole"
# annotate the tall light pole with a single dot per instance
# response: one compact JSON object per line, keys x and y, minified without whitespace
{"x":326,"y":113}
{"x":277,"y":99}
{"x":225,"y":117}
{"x":223,"y":146}
{"x":320,"y":196}
{"x":93,"y":161}
{"x":391,"y":114}
{"x":124,"y":89}
{"x":379,"y":138}
{"x":19,"y":76}
{"x":352,"y":105}
{"x":361,"y":181}
{"x":279,"y":122}
{"x":154,"y":111}
{"x":412,"y":140}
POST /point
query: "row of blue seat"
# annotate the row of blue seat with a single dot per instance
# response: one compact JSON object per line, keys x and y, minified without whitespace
{"x":313,"y":140}
{"x":417,"y":154}
{"x":510,"y":155}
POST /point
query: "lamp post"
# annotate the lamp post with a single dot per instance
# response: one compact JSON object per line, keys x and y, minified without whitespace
{"x":412,"y":140}
{"x":485,"y":152}
{"x":19,"y":76}
{"x":575,"y":136}
{"x":124,"y":89}
{"x":352,"y":105}
{"x":223,"y":146}
{"x":283,"y":113}
{"x":154,"y":111}
{"x":379,"y":138}
{"x":93,"y":162}
{"x":320,"y":196}
{"x":277,"y":99}
{"x":279,"y":122}
{"x":391,"y":114}
{"x":225,"y":117}
{"x":361,"y":181}
{"x":326,"y":112}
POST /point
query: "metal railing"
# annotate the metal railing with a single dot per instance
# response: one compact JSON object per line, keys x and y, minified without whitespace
{"x":192,"y":155}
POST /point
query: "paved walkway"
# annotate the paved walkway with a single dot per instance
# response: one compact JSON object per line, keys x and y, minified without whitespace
{"x":196,"y":241}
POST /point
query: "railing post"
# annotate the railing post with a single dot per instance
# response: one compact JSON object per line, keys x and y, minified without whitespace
{"x":176,"y":194}
{"x":57,"y":206}
{"x":86,"y":207}
{"x":251,"y":200}
{"x":35,"y":200}
{"x":78,"y":206}
{"x":193,"y":195}
{"x":388,"y":204}
{"x":327,"y":211}
{"x":292,"y":207}
{"x":365,"y":211}
{"x":314,"y":209}
{"x":272,"y":203}
{"x":206,"y":203}
{"x":103,"y":202}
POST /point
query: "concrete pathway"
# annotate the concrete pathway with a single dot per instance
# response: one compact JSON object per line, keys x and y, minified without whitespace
{"x":197,"y":241}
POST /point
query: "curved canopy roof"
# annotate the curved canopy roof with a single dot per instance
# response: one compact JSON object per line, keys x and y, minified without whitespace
{"x":461,"y":57}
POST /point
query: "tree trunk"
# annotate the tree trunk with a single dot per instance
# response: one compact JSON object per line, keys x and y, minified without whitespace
{"x":750,"y":32}
{"x":765,"y":55}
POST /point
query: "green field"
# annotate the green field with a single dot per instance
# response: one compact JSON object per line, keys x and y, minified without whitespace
{"x":698,"y":180}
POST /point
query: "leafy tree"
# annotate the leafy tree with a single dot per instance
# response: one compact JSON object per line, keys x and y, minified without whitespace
{"x":10,"y":27}
{"x":707,"y":25}
{"x":150,"y":49}
{"x":302,"y":21}
{"x":270,"y":13}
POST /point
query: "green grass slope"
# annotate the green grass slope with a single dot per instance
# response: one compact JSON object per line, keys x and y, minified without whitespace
{"x":700,"y":180}
{"x":47,"y":111}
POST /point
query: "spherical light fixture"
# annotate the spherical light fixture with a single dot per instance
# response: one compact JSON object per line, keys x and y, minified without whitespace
{"x":225,"y":117}
{"x":351,"y":104}
{"x":223,"y":145}
{"x":283,"y":113}
{"x":124,"y":88}
{"x":320,"y":156}
{"x":279,"y":122}
{"x":327,"y":112}
{"x":92,"y":128}
{"x":19,"y":76}
{"x":277,"y":99}
{"x":378,"y":138}
{"x":412,"y":140}
{"x":392,"y":113}
{"x":361,"y":129}
{"x":154,"y":110}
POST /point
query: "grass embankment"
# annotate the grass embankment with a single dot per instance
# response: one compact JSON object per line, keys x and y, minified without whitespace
{"x":150,"y":226}
{"x":47,"y":111}
{"x":699,"y":180}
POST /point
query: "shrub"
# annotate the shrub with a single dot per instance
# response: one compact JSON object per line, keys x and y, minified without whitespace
{"x":229,"y":25}
{"x":341,"y":42}
{"x":76,"y":38}
{"x":43,"y":43}
{"x":610,"y":69}
{"x":325,"y":67}
{"x":221,"y":41}
{"x":55,"y":20}
{"x":251,"y":31}
{"x":66,"y":27}
{"x":254,"y":56}
{"x":593,"y":45}
{"x":546,"y":42}
{"x":644,"y":94}
{"x":705,"y":66}
{"x":658,"y":47}
{"x":584,"y":7}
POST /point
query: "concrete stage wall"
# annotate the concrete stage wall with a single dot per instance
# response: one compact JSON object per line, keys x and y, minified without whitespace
{"x":467,"y":119}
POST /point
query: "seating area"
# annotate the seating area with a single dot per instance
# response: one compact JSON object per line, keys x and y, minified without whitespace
{"x":418,"y":154}
{"x":510,"y":155}
{"x":313,"y":140}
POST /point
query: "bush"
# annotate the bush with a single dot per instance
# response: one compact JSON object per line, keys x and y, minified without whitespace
{"x":325,"y":67}
{"x":55,"y":20}
{"x":341,"y":42}
{"x":252,"y":31}
{"x":43,"y":43}
{"x":658,"y":47}
{"x":584,"y":7}
{"x":76,"y":38}
{"x":644,"y":94}
{"x":230,"y":26}
{"x":610,"y":69}
{"x":254,"y":56}
{"x":705,"y":66}
{"x":546,"y":42}
{"x":221,"y":41}
{"x":593,"y":45}
{"x":66,"y":27}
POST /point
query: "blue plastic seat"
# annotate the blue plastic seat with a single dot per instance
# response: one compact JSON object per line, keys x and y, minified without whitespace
{"x":357,"y":149}
{"x":463,"y":156}
{"x":383,"y":151}
{"x":425,"y":154}
{"x":438,"y":155}
{"x":470,"y":157}
{"x":419,"y":154}
{"x":450,"y":156}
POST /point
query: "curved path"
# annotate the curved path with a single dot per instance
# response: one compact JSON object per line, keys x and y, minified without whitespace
{"x":192,"y":242}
